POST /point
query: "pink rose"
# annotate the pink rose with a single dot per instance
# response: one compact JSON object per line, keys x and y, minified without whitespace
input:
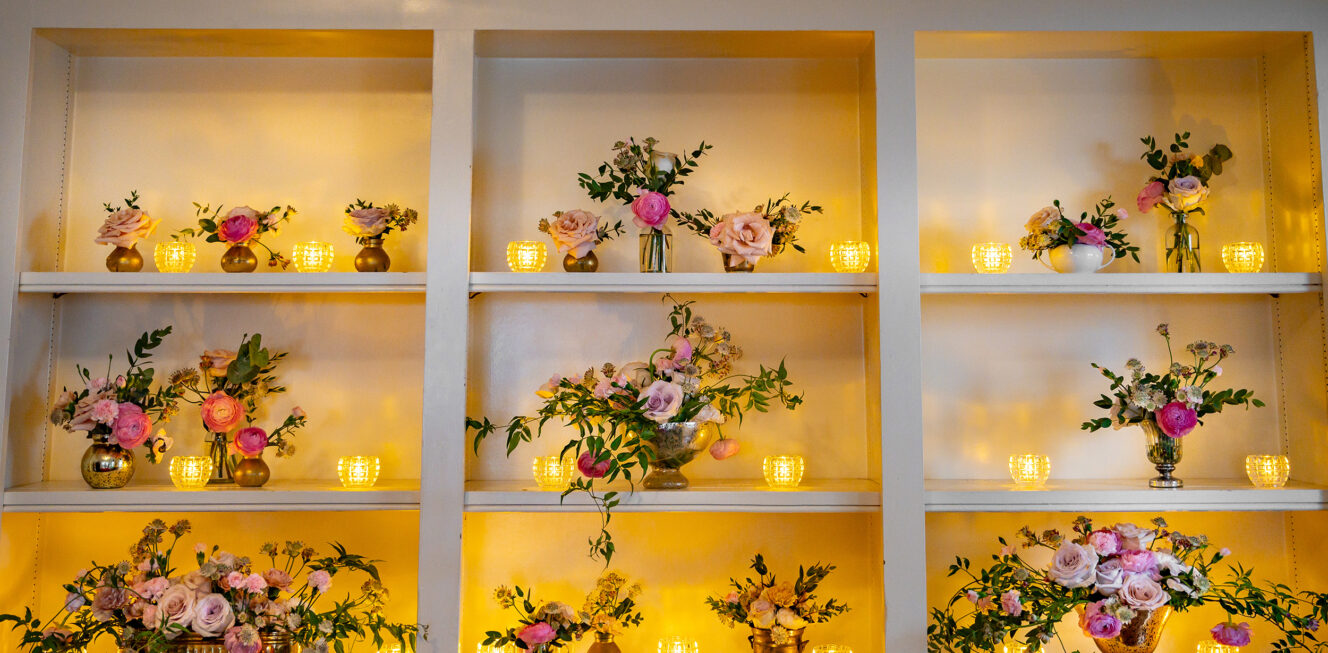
{"x":132,"y":427}
{"x":1010,"y":603}
{"x":1176,"y":419}
{"x":125,"y":227}
{"x":682,"y":348}
{"x":651,"y":210}
{"x":1138,"y":562}
{"x":1232,"y":634}
{"x":240,"y":225}
{"x":366,"y":223}
{"x":663,"y":399}
{"x":277,"y":578}
{"x":745,"y":235}
{"x":175,"y":606}
{"x":1091,"y":234}
{"x":1150,"y":196}
{"x":105,"y":411}
{"x":1105,"y":542}
{"x":725,"y":448}
{"x":242,"y":639}
{"x":1073,"y":565}
{"x":235,"y":580}
{"x":1142,"y":593}
{"x":250,"y":441}
{"x":152,"y":588}
{"x":221,"y":412}
{"x":320,"y":580}
{"x":536,"y":634}
{"x":575,"y":232}
{"x":586,"y":463}
{"x":213,"y":616}
{"x":1134,"y":537}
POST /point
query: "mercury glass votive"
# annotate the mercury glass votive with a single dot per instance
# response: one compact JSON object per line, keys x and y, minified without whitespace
{"x":312,"y":256}
{"x":174,"y":256}
{"x":783,"y":472}
{"x":191,"y":472}
{"x":526,"y":255}
{"x":1210,"y":646}
{"x":850,"y":256}
{"x":1268,"y":471}
{"x":1030,"y":470}
{"x":358,"y":471}
{"x":553,"y":472}
{"x":678,"y":645}
{"x":992,"y":258}
{"x":1243,"y":257}
{"x":831,"y":648}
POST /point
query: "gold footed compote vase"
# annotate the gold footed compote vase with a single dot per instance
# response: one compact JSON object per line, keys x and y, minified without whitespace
{"x":1141,"y":634}
{"x":763,"y":641}
{"x":675,"y":444}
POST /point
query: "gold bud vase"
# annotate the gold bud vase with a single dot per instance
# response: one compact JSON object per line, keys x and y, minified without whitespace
{"x":252,"y":472}
{"x":239,"y":258}
{"x":372,"y":258}
{"x":603,"y":643}
{"x":735,"y":263}
{"x":106,"y":466}
{"x":1141,"y":634}
{"x":124,"y":259}
{"x":587,"y":263}
{"x":763,"y":641}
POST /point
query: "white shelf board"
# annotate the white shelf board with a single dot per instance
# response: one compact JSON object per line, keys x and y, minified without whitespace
{"x":1139,"y":283}
{"x":847,"y":495}
{"x":277,"y":495}
{"x":683,"y":282}
{"x":221,"y":282}
{"x":1113,"y":495}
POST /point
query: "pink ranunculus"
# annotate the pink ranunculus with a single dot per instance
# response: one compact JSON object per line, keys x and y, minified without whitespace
{"x":1073,"y":565}
{"x":1105,"y":542}
{"x":1150,"y":196}
{"x":1232,"y":634}
{"x":242,"y":639}
{"x":104,"y":411}
{"x":320,"y":580}
{"x":731,"y":597}
{"x":125,"y":227}
{"x":132,"y":427}
{"x":682,"y":348}
{"x":748,"y":236}
{"x":586,"y":463}
{"x":725,"y":448}
{"x":1176,"y":419}
{"x":221,"y":412}
{"x":574,"y":232}
{"x":250,"y":441}
{"x":240,"y":225}
{"x":662,"y":401}
{"x":1010,"y":603}
{"x":651,"y":210}
{"x":1138,"y":562}
{"x":1090,"y":234}
{"x":213,"y":616}
{"x":536,"y":634}
{"x":1140,"y":592}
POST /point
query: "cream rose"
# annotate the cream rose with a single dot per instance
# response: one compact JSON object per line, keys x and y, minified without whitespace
{"x":745,"y":235}
{"x":1135,"y":537}
{"x":709,"y":413}
{"x":1184,"y":193}
{"x":1043,"y":220}
{"x":761,"y":613}
{"x":1142,"y":593}
{"x":574,"y":232}
{"x":176,"y":606}
{"x":1074,"y":565}
{"x":790,"y":619}
{"x":197,"y":583}
{"x":212,"y":616}
{"x":365,"y":223}
{"x":125,"y":227}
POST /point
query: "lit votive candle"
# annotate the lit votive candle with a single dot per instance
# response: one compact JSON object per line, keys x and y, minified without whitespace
{"x":191,"y":472}
{"x":831,"y":648}
{"x":783,"y":472}
{"x":992,"y":258}
{"x":678,"y":645}
{"x":358,"y":471}
{"x":850,"y":256}
{"x":1268,"y":471}
{"x":494,"y":648}
{"x":525,"y":255}
{"x":1243,"y":257}
{"x":553,"y":472}
{"x":312,"y":256}
{"x":1209,"y":646}
{"x":174,"y":256}
{"x":1030,"y":470}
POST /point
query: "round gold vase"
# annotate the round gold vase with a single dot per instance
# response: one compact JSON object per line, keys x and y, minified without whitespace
{"x":603,"y":644}
{"x":372,"y":257}
{"x":239,"y":258}
{"x":252,"y":472}
{"x":107,"y":466}
{"x":735,"y":263}
{"x":1141,"y":634}
{"x":587,"y":263}
{"x":763,"y":641}
{"x":194,"y":644}
{"x":124,"y":259}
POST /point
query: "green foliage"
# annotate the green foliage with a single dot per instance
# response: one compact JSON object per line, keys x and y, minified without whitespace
{"x":632,"y":170}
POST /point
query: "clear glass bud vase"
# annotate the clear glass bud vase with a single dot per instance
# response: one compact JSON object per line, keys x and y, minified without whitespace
{"x":657,"y":250}
{"x":1182,"y":244}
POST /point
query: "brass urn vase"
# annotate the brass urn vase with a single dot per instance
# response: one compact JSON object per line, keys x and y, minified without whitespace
{"x":763,"y":641}
{"x":191,"y":643}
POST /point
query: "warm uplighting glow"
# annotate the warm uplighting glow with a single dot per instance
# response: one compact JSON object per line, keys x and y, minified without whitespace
{"x":312,"y":256}
{"x":831,"y":648}
{"x":1268,"y":471}
{"x":678,"y":645}
{"x":553,"y":472}
{"x":1243,"y":257}
{"x":358,"y":471}
{"x":174,"y":256}
{"x":1209,"y":646}
{"x":783,"y":471}
{"x":525,"y":256}
{"x":191,"y":472}
{"x":850,"y":256}
{"x":992,"y":258}
{"x":1030,"y":470}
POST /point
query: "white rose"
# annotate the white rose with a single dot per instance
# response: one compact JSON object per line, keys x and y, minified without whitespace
{"x":1073,"y":565}
{"x":1043,"y":220}
{"x":790,"y":619}
{"x":709,"y":413}
{"x":1134,"y":537}
{"x":664,"y":162}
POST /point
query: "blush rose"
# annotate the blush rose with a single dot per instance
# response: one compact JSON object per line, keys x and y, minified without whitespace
{"x":574,"y":232}
{"x":131,"y":427}
{"x":745,"y":235}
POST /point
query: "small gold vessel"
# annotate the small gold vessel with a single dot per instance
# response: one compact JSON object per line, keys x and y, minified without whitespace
{"x":239,"y":258}
{"x":124,"y":259}
{"x":372,"y":258}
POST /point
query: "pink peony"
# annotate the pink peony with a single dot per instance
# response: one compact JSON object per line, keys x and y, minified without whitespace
{"x":1232,"y":634}
{"x":240,"y":226}
{"x":651,"y":210}
{"x":725,"y":448}
{"x":125,"y":227}
{"x":242,"y":639}
{"x":1176,"y":419}
{"x":536,"y":634}
{"x":589,"y":469}
{"x":213,"y":615}
{"x":320,"y":580}
{"x":1105,"y":542}
{"x":221,"y":412}
{"x":1091,"y":234}
{"x":575,"y":232}
{"x":250,"y":441}
{"x":132,"y":427}
{"x":1138,"y":562}
{"x":662,"y":401}
{"x":105,"y":411}
{"x":745,"y":235}
{"x":1150,"y":196}
{"x":1010,"y":603}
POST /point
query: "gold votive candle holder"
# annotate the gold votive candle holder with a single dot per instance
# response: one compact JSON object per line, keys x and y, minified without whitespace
{"x":191,"y":472}
{"x":553,"y":472}
{"x":313,"y":256}
{"x":526,"y":255}
{"x":1210,"y":646}
{"x":678,"y":645}
{"x":1243,"y":257}
{"x":1268,"y":471}
{"x":850,"y":256}
{"x":831,"y":648}
{"x":1030,"y":470}
{"x":174,"y":256}
{"x":992,"y":258}
{"x":783,"y":472}
{"x":358,"y":471}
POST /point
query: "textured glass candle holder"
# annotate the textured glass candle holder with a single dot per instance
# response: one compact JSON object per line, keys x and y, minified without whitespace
{"x":992,"y":258}
{"x":494,"y":648}
{"x":850,"y":256}
{"x":1210,"y":646}
{"x":783,"y":472}
{"x":526,"y":255}
{"x":1268,"y":471}
{"x":358,"y":471}
{"x":312,"y":256}
{"x":191,"y":472}
{"x":174,"y":256}
{"x":678,"y":645}
{"x":553,"y":472}
{"x":1243,"y":257}
{"x":831,"y":648}
{"x":1030,"y":471}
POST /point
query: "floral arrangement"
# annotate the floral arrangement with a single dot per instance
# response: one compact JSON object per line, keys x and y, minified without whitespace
{"x":240,"y":226}
{"x":541,"y":627}
{"x":611,"y":607}
{"x":578,"y":232}
{"x":365,"y":221}
{"x":126,"y":226}
{"x":121,"y":409}
{"x":763,"y":231}
{"x":1175,"y":401}
{"x":616,"y":410}
{"x":1049,"y":229}
{"x":145,"y":603}
{"x":778,"y":607}
{"x":1181,"y":182}
{"x":643,"y":178}
{"x":1112,"y":576}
